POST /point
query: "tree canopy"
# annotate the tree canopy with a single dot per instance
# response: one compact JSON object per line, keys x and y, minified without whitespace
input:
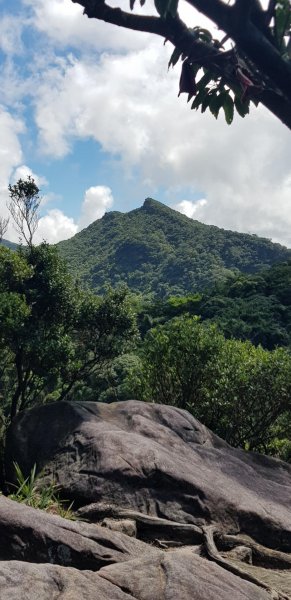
{"x":255,"y":66}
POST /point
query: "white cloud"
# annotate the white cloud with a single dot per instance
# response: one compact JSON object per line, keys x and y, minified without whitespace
{"x":189,"y":208}
{"x":10,"y":157}
{"x":55,"y":226}
{"x":127,"y":102}
{"x":96,"y":201}
{"x":63,"y":22}
{"x":10,"y":34}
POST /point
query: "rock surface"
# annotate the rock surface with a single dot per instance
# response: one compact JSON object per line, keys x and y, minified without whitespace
{"x":174,"y":482}
{"x":36,"y":536}
{"x":39,"y":553}
{"x":156,"y":460}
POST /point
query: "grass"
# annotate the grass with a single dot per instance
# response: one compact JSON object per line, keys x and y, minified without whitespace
{"x":30,"y":491}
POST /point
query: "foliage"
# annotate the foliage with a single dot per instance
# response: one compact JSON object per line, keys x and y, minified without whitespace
{"x":254,"y":67}
{"x":32,"y":492}
{"x":253,"y":307}
{"x":52,"y":334}
{"x":241,"y":392}
{"x":156,"y":250}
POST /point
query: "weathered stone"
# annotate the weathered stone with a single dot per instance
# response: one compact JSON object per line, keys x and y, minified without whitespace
{"x":126,"y":526}
{"x":180,"y":576}
{"x":155,"y":460}
{"x":241,"y":553}
{"x":27,"y":581}
{"x":35,"y":536}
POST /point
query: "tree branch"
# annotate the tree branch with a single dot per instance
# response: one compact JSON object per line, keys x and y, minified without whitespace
{"x":275,"y":71}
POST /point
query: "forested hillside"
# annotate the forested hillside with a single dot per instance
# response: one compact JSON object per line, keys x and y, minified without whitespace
{"x":155,"y":249}
{"x":253,"y":307}
{"x":8,"y":244}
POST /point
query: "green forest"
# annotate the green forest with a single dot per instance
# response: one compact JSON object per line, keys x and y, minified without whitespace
{"x":156,"y":250}
{"x":223,"y":353}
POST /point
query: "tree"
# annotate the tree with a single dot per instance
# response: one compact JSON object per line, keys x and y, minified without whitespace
{"x":52,"y":334}
{"x":241,"y":392}
{"x":3,"y":227}
{"x":256,"y":68}
{"x":23,"y":206}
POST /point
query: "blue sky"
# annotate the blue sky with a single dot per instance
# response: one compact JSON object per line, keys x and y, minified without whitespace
{"x":92,"y":113}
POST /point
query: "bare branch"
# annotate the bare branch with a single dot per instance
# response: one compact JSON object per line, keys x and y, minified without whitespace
{"x":3,"y":227}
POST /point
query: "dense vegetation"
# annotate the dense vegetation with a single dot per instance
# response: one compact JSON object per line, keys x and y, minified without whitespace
{"x":240,"y":391}
{"x":155,"y":249}
{"x":59,"y":341}
{"x":248,"y":307}
{"x":53,"y":334}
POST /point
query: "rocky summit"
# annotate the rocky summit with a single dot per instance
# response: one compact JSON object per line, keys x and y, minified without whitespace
{"x":166,"y":509}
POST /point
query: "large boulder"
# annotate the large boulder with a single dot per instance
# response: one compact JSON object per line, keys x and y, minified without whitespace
{"x":155,"y":460}
{"x":43,"y":557}
{"x":155,"y":472}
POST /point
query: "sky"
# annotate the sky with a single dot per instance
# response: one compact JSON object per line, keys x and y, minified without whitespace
{"x":92,"y":112}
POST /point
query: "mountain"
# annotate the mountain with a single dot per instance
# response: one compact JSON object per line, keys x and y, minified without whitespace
{"x":157,"y":249}
{"x":8,"y":244}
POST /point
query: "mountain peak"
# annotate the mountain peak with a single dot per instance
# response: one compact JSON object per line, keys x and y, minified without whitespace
{"x":151,"y":204}
{"x":157,"y":250}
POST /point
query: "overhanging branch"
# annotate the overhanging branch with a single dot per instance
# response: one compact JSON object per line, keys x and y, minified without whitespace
{"x":275,"y":94}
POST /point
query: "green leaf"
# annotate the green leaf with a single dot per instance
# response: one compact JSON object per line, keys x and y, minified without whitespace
{"x":199,"y":98}
{"x":216,"y":103}
{"x":166,"y":7}
{"x":205,"y":79}
{"x":205,"y":102}
{"x":174,"y":57}
{"x":228,"y":107}
{"x":242,"y":107}
{"x":282,"y":21}
{"x":187,"y":80}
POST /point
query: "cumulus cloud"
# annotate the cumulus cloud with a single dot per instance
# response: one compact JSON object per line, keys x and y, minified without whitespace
{"x":96,"y":201}
{"x":127,"y":101}
{"x":10,"y":157}
{"x":10,"y":34}
{"x":55,"y":226}
{"x":63,"y":22}
{"x":190,"y":208}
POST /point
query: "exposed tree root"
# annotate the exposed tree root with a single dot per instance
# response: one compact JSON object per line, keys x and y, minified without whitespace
{"x":214,"y":554}
{"x":150,"y":527}
{"x":264,"y":557}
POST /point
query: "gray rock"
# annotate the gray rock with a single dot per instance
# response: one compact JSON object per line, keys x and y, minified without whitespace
{"x":169,"y":577}
{"x":126,"y":526}
{"x":26,"y":581}
{"x":155,"y":460}
{"x":241,"y":553}
{"x":35,"y":536}
{"x":180,"y":576}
